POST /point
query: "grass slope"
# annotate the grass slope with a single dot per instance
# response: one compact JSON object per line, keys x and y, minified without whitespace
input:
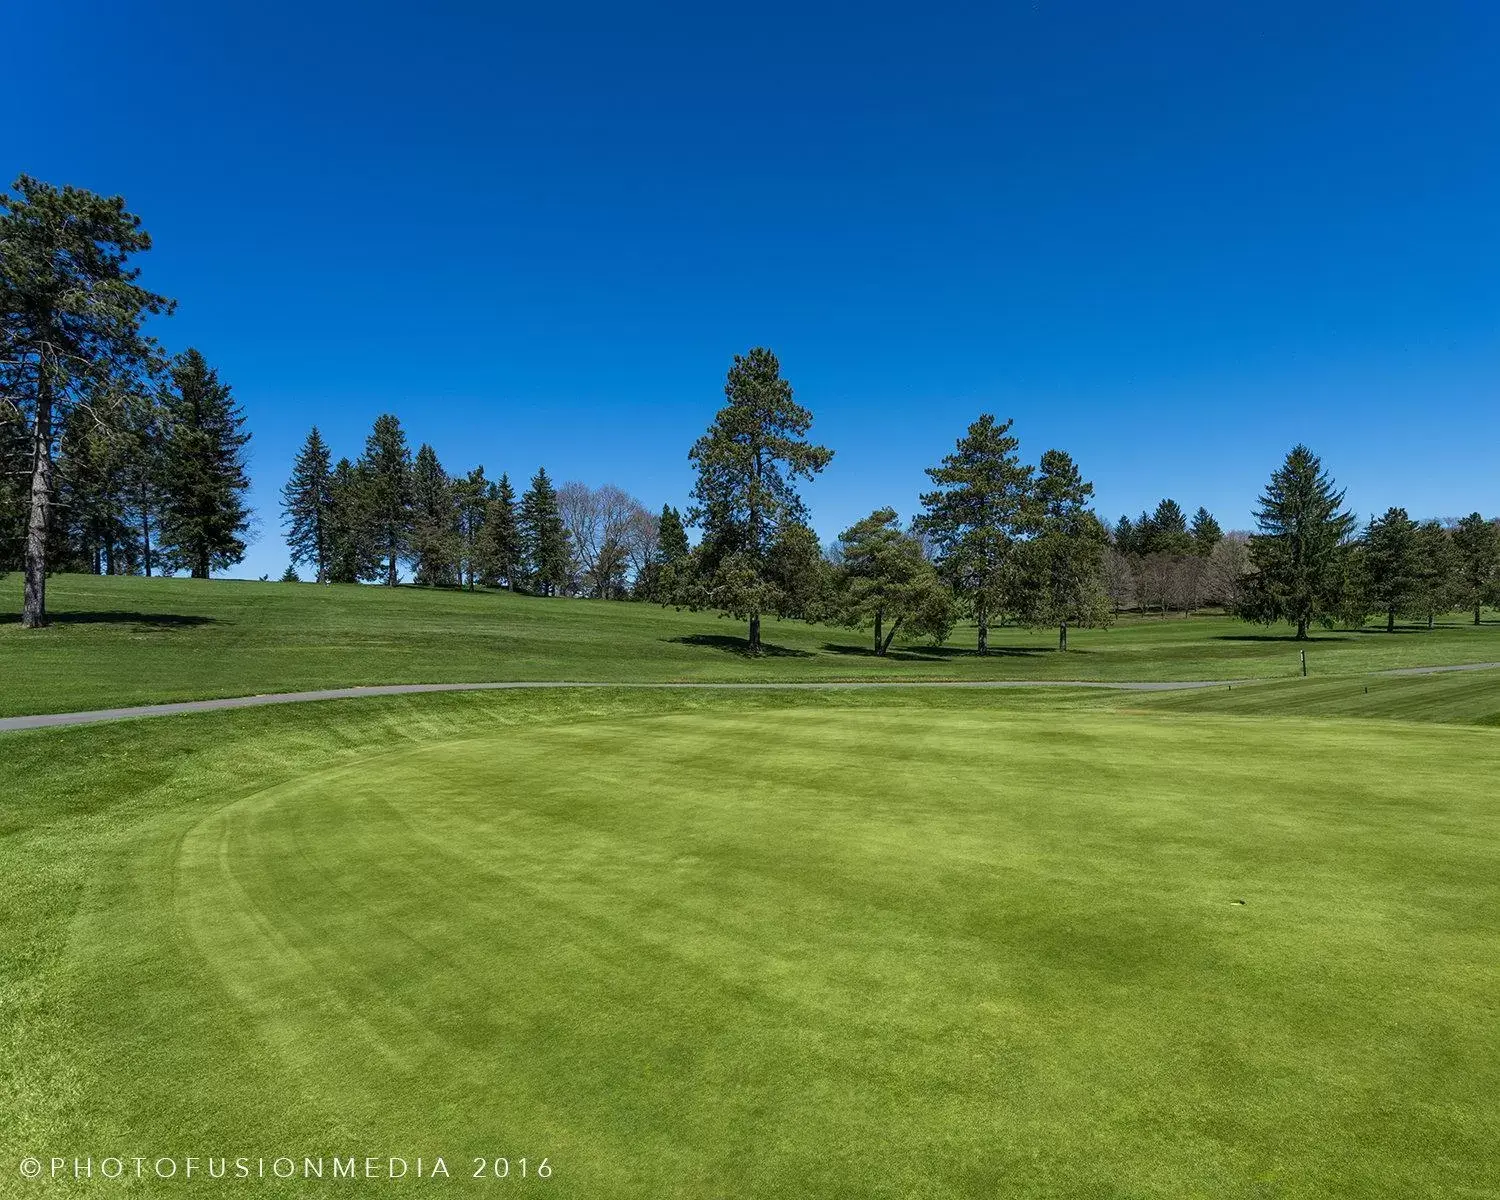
{"x":863,"y":944}
{"x":137,"y":641}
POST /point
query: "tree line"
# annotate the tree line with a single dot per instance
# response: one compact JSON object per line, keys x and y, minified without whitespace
{"x":391,"y":511}
{"x":118,"y":459}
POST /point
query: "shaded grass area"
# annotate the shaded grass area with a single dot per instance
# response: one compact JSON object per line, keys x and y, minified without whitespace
{"x":904,"y":944}
{"x":123,"y":641}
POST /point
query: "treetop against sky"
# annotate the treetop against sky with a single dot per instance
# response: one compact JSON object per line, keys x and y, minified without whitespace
{"x":1174,"y":240}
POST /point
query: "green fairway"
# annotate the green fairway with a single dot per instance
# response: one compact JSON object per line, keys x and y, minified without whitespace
{"x":137,"y":641}
{"x":825,"y":944}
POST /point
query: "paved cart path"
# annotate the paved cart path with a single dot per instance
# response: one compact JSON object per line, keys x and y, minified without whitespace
{"x":52,"y":720}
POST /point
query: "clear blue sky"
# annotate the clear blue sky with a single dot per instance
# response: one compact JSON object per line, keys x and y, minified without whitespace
{"x":1172,"y":239}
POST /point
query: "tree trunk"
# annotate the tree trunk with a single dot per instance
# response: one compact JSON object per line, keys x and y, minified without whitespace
{"x":201,"y":563}
{"x":755,"y":633}
{"x":1390,"y":620}
{"x":34,"y":591}
{"x":1062,"y":636}
{"x":145,"y":533}
{"x":390,"y":568}
{"x":1302,"y":629}
{"x":889,"y":638}
{"x":878,"y":648}
{"x":1476,"y":612}
{"x":1430,"y":618}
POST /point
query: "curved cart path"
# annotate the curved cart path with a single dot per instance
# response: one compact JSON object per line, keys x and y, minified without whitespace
{"x":51,"y":720}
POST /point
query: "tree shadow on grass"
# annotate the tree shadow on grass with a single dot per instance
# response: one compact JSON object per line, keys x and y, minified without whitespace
{"x":1289,"y":639}
{"x":737,"y":645}
{"x":146,"y":620}
{"x":935,"y":653}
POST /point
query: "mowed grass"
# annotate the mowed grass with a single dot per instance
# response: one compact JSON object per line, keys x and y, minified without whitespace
{"x":822,"y":944}
{"x":121,"y":641}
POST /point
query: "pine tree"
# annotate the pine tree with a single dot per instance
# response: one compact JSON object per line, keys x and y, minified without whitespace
{"x":306,"y":503}
{"x":544,"y":540}
{"x":1125,"y":536}
{"x":1205,"y":533}
{"x":661,"y":578}
{"x":72,"y":334}
{"x":1389,"y":564}
{"x":470,"y":502}
{"x":977,"y":517}
{"x":747,"y":504}
{"x":290,"y":574}
{"x":435,"y":537}
{"x":883,"y":578}
{"x":1299,"y":557}
{"x":351,"y":551}
{"x":386,"y":475}
{"x":1477,"y":542}
{"x":204,"y":514}
{"x":1439,"y":573}
{"x":1064,"y":562}
{"x":13,"y":497}
{"x":501,"y":554}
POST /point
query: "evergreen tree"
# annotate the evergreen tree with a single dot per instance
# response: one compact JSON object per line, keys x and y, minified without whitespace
{"x":1389,"y":565}
{"x":385,"y":473}
{"x":976,"y":519}
{"x":13,"y":497}
{"x":470,"y":501}
{"x":290,"y":574}
{"x":352,"y":555}
{"x":435,"y":533}
{"x":1125,"y":536}
{"x":1065,"y":560}
{"x":501,"y":554}
{"x":884,"y":579}
{"x":1439,"y":579}
{"x":543,"y":538}
{"x":752,"y":558}
{"x":1299,"y":556}
{"x":1477,"y":543}
{"x":1167,"y":530}
{"x":1205,"y":533}
{"x":145,"y":474}
{"x":306,"y":503}
{"x":662,"y":578}
{"x":92,"y":529}
{"x":204,"y":514}
{"x":71,"y":316}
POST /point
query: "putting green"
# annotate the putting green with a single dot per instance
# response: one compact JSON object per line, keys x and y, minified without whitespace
{"x":882,"y":950}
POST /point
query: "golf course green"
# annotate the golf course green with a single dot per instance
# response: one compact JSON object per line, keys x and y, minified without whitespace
{"x":761,"y":944}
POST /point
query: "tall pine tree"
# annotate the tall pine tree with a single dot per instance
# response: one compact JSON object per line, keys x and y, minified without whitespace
{"x":470,"y":503}
{"x":1299,"y":556}
{"x":751,"y":558}
{"x":544,"y":538}
{"x":72,"y":334}
{"x":500,"y":551}
{"x":204,"y":514}
{"x":351,"y":550}
{"x":306,"y":506}
{"x":435,"y":535}
{"x":976,"y":518}
{"x":1064,"y":562}
{"x":385,"y":473}
{"x":1477,"y":542}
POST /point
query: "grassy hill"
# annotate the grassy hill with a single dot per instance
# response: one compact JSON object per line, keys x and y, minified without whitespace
{"x":135,"y":641}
